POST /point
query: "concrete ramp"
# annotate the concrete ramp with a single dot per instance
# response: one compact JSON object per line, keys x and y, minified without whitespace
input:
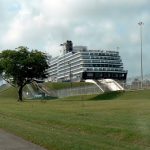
{"x":106,"y":85}
{"x":96,"y":82}
{"x":44,"y":89}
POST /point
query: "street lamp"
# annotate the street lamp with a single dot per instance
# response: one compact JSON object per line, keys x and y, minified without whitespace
{"x":141,"y":25}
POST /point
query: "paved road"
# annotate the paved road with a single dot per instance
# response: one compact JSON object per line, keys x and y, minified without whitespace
{"x":11,"y":142}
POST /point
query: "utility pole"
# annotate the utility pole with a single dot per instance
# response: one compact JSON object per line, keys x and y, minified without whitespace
{"x":141,"y":25}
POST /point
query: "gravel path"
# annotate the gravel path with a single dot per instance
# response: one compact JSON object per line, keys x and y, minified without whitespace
{"x":11,"y":142}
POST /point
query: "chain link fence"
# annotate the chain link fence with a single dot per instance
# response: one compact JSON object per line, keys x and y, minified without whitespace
{"x":86,"y":90}
{"x":89,"y":90}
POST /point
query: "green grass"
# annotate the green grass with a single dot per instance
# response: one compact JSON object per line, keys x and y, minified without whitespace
{"x":8,"y":93}
{"x":112,"y":121}
{"x":64,"y":85}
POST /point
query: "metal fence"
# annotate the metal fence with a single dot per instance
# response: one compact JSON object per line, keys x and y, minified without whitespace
{"x":88,"y":90}
{"x":85,"y":90}
{"x":136,"y":86}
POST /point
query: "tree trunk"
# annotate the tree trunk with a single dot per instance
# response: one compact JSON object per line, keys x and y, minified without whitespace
{"x":20,"y":93}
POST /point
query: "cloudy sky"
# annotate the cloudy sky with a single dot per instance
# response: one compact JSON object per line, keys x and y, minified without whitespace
{"x":98,"y":24}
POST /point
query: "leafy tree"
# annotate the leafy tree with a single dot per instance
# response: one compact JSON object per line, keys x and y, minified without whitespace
{"x":21,"y":66}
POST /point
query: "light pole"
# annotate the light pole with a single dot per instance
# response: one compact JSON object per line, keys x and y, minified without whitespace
{"x":141,"y":25}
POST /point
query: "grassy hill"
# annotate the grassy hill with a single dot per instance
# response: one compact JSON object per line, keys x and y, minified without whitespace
{"x":118,"y":120}
{"x":64,"y":85}
{"x":9,"y":93}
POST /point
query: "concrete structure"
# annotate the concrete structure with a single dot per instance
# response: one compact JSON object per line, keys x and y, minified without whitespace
{"x":2,"y":81}
{"x":106,"y":85}
{"x":12,"y":142}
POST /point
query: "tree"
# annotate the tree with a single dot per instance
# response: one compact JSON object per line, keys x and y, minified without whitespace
{"x":21,"y":66}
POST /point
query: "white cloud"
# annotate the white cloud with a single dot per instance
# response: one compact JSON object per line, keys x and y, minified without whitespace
{"x":98,"y":24}
{"x":134,"y":38}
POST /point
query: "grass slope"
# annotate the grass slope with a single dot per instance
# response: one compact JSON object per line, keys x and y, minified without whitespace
{"x":64,"y":85}
{"x":8,"y":93}
{"x":99,"y":122}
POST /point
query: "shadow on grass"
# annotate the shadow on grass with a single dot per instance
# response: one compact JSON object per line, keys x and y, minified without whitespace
{"x":108,"y":95}
{"x":43,"y":99}
{"x":105,"y":96}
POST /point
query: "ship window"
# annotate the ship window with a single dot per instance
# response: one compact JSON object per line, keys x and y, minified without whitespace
{"x":122,"y":75}
{"x":90,"y":74}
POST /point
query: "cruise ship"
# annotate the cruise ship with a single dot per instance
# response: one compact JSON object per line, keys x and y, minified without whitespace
{"x":78,"y":63}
